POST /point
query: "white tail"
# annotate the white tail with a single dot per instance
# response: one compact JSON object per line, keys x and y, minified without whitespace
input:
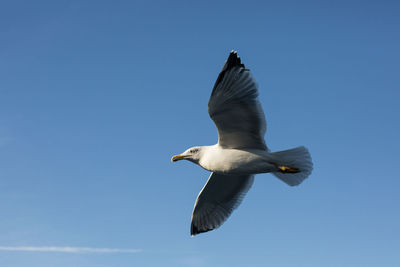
{"x":297,"y":158}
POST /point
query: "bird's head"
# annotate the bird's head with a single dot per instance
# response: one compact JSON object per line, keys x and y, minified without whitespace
{"x":192,"y":154}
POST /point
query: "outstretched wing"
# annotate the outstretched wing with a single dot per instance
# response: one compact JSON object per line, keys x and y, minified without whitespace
{"x":234,"y":108}
{"x":217,"y":200}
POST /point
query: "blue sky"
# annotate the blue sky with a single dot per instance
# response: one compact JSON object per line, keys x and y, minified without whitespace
{"x":96,"y":96}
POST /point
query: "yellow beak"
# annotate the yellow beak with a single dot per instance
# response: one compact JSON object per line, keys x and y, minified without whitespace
{"x":177,"y":157}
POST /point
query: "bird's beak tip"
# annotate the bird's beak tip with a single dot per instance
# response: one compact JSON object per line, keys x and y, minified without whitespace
{"x":176,"y":158}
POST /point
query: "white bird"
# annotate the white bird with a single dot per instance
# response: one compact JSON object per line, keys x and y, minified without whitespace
{"x":240,"y":152}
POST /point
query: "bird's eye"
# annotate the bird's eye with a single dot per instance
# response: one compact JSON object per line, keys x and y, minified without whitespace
{"x":194,"y":151}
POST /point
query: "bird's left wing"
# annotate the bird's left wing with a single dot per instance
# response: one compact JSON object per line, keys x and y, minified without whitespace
{"x":217,"y":200}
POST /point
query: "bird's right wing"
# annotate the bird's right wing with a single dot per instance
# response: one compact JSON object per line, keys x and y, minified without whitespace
{"x":235,"y":109}
{"x":217,"y":200}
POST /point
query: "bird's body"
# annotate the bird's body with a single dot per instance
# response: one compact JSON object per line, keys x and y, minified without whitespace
{"x":241,"y":161}
{"x":241,"y":151}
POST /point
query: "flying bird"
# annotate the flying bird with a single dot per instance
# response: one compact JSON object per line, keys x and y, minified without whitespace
{"x":241,"y":151}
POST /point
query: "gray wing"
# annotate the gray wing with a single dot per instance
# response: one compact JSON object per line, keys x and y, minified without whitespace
{"x":235,"y":109}
{"x":217,"y":200}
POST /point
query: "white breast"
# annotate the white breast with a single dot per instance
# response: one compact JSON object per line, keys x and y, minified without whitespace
{"x":234,"y":161}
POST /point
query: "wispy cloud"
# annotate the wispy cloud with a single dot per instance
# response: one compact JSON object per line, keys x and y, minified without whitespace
{"x":69,"y":249}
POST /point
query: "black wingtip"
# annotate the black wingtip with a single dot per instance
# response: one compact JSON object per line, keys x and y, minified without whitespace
{"x":195,"y":231}
{"x":233,"y":61}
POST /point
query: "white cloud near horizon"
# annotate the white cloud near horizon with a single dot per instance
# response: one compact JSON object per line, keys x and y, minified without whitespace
{"x":69,"y":249}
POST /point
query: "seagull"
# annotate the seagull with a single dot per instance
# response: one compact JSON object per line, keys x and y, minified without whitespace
{"x":241,"y":151}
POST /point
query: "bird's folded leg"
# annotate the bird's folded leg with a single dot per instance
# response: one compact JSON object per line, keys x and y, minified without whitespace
{"x":287,"y":169}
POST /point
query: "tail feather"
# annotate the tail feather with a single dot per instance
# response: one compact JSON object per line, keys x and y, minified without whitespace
{"x":298,"y":159}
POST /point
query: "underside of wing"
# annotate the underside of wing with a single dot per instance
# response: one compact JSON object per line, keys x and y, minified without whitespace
{"x":217,"y":200}
{"x":234,"y":108}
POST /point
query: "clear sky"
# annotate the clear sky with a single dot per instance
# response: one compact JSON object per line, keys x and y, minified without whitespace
{"x":96,"y":96}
